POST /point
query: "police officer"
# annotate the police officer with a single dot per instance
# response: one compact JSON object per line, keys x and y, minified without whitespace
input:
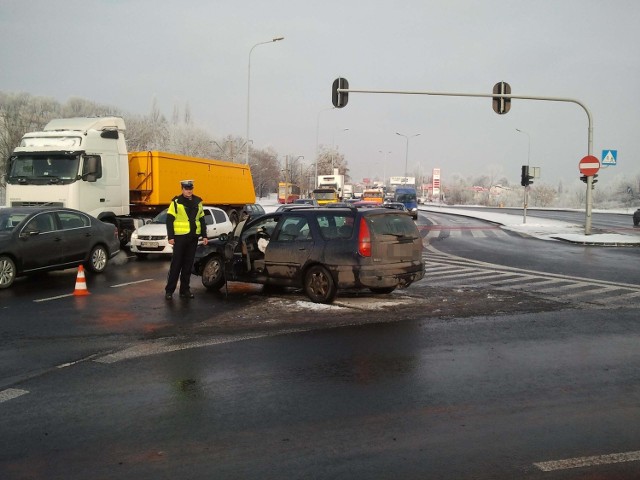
{"x":185,"y":225}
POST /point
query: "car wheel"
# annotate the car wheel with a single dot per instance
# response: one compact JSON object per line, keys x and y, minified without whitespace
{"x":319,"y":285}
{"x":98,"y":259}
{"x":7,"y":272}
{"x":213,"y":273}
{"x":383,"y":290}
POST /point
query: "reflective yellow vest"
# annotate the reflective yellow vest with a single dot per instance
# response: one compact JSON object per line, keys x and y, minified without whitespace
{"x":181,"y":223}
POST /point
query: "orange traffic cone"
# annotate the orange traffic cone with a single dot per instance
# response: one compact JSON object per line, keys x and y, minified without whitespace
{"x":81,"y":284}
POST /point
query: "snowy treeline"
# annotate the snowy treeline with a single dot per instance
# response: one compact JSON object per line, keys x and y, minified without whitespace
{"x":22,"y":112}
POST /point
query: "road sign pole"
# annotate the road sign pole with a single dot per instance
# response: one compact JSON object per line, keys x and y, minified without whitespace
{"x":587,"y":220}
{"x":589,"y":166}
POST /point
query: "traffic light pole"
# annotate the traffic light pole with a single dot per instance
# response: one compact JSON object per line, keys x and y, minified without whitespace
{"x":587,"y":225}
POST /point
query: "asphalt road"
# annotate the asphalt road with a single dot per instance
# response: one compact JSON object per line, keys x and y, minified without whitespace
{"x":488,"y":368}
{"x":474,"y":398}
{"x":475,"y":239}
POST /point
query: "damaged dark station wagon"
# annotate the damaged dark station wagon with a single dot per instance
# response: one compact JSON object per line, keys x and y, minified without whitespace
{"x":320,"y":250}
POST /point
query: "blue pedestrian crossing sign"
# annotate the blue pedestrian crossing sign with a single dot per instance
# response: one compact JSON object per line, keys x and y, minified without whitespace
{"x":609,"y":157}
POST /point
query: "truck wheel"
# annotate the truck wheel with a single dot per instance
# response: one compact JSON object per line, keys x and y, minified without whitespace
{"x":7,"y":272}
{"x":98,"y":259}
{"x":233,"y":217}
{"x":213,"y":273}
{"x":319,"y":285}
{"x":124,"y":235}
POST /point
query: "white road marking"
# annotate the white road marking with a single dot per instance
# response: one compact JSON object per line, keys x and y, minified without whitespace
{"x":11,"y":393}
{"x":588,"y":461}
{"x":70,"y":364}
{"x":112,"y":286}
{"x":167,"y":345}
{"x":131,"y":283}
{"x":53,"y":298}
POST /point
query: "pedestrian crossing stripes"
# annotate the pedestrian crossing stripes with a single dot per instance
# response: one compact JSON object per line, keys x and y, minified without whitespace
{"x":443,"y":269}
{"x":445,"y":231}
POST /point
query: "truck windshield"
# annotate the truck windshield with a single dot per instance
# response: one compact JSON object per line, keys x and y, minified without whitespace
{"x":44,"y":169}
{"x":329,"y":195}
{"x":405,"y":197}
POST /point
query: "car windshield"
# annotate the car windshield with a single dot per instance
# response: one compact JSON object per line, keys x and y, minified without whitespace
{"x":161,"y":217}
{"x":9,"y":221}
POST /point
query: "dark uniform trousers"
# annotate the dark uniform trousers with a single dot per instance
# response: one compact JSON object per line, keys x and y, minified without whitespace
{"x":184,"y":253}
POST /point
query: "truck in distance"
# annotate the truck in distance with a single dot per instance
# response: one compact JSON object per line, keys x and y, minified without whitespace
{"x":83,"y":163}
{"x":330,"y":188}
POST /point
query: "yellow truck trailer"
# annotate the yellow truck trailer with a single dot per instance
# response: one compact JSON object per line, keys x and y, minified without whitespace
{"x":154,"y":179}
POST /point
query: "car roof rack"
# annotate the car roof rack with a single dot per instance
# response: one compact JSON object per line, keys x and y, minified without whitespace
{"x":341,"y":205}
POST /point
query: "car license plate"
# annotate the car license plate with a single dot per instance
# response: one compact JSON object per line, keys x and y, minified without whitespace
{"x":149,"y":244}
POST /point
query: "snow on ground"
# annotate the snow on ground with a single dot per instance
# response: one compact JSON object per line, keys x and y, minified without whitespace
{"x":543,"y":228}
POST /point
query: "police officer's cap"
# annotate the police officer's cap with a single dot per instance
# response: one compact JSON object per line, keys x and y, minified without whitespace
{"x":188,"y":184}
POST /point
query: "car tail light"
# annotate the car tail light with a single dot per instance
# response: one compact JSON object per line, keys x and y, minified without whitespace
{"x":364,"y":239}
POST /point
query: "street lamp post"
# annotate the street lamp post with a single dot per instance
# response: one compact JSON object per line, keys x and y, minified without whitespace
{"x":246,"y":159}
{"x":406,"y":155}
{"x":384,"y":166}
{"x":334,"y":147}
{"x":315,"y":182}
{"x":525,"y":197}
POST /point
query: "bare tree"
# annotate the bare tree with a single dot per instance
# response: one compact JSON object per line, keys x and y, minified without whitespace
{"x":265,"y":171}
{"x":21,"y":113}
{"x":330,"y":158}
{"x":542,"y":195}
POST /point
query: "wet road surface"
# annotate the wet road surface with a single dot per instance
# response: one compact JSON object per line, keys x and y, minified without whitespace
{"x":475,"y":398}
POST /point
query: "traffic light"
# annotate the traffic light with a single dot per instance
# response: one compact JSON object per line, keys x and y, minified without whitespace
{"x":594,"y":180}
{"x":525,"y":178}
{"x":501,"y":105}
{"x":339,"y":99}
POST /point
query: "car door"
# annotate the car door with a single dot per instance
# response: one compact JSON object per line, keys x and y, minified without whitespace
{"x":290,"y":248}
{"x":77,"y":236}
{"x":40,"y":243}
{"x":217,"y":222}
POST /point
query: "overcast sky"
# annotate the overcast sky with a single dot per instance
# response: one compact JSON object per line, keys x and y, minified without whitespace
{"x":126,"y":53}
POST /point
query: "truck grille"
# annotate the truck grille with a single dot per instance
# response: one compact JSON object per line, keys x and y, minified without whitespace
{"x":37,"y":204}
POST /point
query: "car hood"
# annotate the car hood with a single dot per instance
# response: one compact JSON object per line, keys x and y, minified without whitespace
{"x":152,"y":229}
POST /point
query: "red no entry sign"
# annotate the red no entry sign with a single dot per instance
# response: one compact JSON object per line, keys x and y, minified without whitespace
{"x":589,"y":165}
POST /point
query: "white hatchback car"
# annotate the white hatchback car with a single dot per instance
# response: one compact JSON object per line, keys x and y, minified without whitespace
{"x":152,"y":237}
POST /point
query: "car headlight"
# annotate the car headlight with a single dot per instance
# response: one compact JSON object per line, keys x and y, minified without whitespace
{"x":134,"y":236}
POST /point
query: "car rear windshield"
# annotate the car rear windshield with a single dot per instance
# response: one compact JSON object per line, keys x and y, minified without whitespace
{"x":393,"y":224}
